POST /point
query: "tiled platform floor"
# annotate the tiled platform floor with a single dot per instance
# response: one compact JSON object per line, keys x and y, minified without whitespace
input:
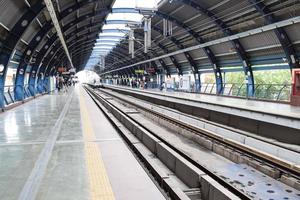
{"x":88,"y":160}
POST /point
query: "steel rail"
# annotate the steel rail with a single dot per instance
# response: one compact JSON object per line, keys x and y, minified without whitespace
{"x":218,"y":179}
{"x":282,"y":165}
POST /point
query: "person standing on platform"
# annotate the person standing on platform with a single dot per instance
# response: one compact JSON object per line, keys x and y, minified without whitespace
{"x":65,"y":84}
{"x":162,"y":86}
{"x":60,"y":82}
{"x":57,"y":83}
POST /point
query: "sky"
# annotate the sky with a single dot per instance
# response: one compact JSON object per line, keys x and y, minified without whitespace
{"x":116,"y":27}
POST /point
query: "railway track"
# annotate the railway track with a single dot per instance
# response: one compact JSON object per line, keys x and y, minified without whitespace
{"x":235,"y":187}
{"x":284,"y":166}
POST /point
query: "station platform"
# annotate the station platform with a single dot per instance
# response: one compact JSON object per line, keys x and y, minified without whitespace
{"x":266,"y":107}
{"x":60,"y":146}
{"x":262,"y":117}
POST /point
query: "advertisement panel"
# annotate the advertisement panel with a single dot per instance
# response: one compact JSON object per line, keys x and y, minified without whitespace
{"x":184,"y":83}
{"x":170,"y":83}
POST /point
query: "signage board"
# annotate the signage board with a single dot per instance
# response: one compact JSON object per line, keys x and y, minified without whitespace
{"x":184,"y":83}
{"x":170,"y":83}
{"x":139,"y":71}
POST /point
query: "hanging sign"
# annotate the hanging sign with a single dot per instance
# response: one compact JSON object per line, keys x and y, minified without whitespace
{"x":139,"y":71}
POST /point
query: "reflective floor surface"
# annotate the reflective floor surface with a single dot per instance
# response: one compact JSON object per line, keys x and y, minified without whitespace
{"x":79,"y":167}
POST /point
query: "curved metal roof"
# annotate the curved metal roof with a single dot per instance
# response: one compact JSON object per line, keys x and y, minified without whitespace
{"x":217,"y":35}
{"x":208,"y":36}
{"x":28,"y":36}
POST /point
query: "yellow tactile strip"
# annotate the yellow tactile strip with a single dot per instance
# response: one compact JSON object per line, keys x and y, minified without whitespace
{"x":100,"y":187}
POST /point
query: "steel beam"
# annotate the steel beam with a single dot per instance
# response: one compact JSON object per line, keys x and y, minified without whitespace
{"x":281,"y":35}
{"x":173,"y":59}
{"x":294,"y":20}
{"x":37,"y":38}
{"x":235,"y":43}
{"x":211,"y":57}
{"x":58,"y":29}
{"x":189,"y":58}
{"x":76,"y":38}
{"x":80,"y":4}
{"x":39,"y":65}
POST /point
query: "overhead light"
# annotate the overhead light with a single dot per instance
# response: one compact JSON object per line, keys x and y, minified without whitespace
{"x":105,"y":44}
{"x":102,"y":47}
{"x":54,"y":19}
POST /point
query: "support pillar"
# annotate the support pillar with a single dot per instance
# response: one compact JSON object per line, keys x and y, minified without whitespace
{"x":19,"y":83}
{"x":3,"y":70}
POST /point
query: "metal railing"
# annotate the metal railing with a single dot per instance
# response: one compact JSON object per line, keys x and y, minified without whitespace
{"x":269,"y":92}
{"x":9,"y":94}
{"x":9,"y":97}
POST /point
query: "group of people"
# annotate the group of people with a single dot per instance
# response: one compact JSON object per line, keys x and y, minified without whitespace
{"x":139,"y":84}
{"x":134,"y":83}
{"x":62,"y":84}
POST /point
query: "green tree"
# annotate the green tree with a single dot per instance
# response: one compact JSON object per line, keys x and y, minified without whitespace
{"x":273,"y":77}
{"x":269,"y":84}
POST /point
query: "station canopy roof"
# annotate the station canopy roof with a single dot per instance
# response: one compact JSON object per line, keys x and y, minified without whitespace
{"x":212,"y":35}
{"x":207,"y":35}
